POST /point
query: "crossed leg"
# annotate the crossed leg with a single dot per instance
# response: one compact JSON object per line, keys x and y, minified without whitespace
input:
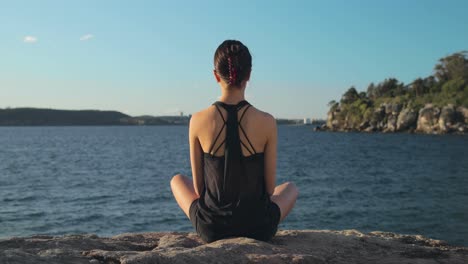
{"x":284,"y":195}
{"x":184,"y":192}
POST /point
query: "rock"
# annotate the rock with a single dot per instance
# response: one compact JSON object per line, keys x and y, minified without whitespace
{"x":377,"y":117}
{"x":407,"y":119}
{"x":363,"y":125}
{"x":332,"y":120}
{"x":370,"y":129}
{"x":320,"y":128}
{"x":348,"y":123}
{"x":463,"y":113}
{"x":392,"y":108}
{"x":428,"y":119}
{"x":288,"y":246}
{"x":387,"y":107}
{"x":336,"y":125}
{"x":392,"y":117}
{"x":391,"y":123}
{"x":447,"y":118}
{"x":396,"y":109}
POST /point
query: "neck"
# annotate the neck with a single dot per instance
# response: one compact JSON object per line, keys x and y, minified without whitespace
{"x":232,"y":95}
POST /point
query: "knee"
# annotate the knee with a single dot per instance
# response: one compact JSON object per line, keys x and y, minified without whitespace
{"x":293,"y":188}
{"x":176,"y":178}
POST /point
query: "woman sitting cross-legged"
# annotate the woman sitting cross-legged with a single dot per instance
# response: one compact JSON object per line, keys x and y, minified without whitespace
{"x":233,"y":158}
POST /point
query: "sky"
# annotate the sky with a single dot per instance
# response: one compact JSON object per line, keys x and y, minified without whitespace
{"x":156,"y":57}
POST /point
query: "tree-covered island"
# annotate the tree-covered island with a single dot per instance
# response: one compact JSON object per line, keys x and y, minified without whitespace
{"x":435,"y":104}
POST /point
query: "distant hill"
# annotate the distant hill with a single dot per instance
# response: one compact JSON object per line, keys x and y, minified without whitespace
{"x":51,"y":117}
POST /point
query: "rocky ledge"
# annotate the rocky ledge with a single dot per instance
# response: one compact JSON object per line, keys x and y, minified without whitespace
{"x":289,"y":246}
{"x":389,"y":117}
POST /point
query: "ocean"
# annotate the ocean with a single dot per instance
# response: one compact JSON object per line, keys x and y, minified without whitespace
{"x":114,"y":179}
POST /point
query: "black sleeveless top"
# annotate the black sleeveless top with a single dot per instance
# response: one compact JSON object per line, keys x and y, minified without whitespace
{"x":234,"y":201}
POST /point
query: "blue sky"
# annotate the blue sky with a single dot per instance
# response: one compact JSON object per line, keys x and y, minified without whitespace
{"x":156,"y":57}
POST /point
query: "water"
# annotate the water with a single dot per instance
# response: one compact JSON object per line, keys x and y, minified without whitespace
{"x":110,"y":180}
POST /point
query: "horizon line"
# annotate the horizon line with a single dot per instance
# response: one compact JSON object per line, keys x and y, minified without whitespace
{"x":181,"y":113}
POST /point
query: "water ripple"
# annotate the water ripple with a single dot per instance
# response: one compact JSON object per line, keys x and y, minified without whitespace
{"x":109,"y":180}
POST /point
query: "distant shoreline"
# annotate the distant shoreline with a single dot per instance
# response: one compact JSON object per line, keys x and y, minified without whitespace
{"x":22,"y":117}
{"x":54,"y":117}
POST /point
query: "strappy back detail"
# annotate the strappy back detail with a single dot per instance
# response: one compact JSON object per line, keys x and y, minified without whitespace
{"x":234,"y":200}
{"x":230,"y":107}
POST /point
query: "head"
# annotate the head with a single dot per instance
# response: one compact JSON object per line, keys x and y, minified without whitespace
{"x":232,"y":64}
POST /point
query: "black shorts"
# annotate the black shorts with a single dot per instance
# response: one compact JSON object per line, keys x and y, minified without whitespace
{"x":265,"y":233}
{"x":193,"y":212}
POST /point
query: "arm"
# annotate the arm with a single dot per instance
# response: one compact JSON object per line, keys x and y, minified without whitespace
{"x":196,"y":156}
{"x":270,"y":156}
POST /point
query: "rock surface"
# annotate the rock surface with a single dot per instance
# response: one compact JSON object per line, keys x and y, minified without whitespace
{"x":446,"y":118}
{"x":407,"y":119}
{"x":428,"y":119}
{"x":463,"y":113}
{"x":389,"y":117}
{"x":288,"y":246}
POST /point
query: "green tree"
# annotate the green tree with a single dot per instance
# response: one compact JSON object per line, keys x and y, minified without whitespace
{"x":418,"y":87}
{"x":386,"y":88}
{"x":452,"y":67}
{"x":452,"y":88}
{"x":350,"y":96}
{"x":333,"y":105}
{"x":371,"y":91}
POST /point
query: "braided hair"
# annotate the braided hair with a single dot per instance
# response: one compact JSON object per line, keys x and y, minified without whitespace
{"x":233,"y":62}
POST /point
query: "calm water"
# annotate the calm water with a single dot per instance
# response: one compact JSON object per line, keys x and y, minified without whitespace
{"x":109,"y":180}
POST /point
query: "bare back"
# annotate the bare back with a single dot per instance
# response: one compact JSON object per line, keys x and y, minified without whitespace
{"x":257,"y":133}
{"x":253,"y":128}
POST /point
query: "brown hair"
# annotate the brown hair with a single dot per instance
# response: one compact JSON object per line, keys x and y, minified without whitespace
{"x":233,"y":62}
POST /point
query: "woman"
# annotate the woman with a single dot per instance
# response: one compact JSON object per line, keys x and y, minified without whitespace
{"x":233,"y":158}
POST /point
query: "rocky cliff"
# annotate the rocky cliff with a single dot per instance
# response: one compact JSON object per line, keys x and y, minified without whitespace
{"x":289,"y":246}
{"x":390,"y":117}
